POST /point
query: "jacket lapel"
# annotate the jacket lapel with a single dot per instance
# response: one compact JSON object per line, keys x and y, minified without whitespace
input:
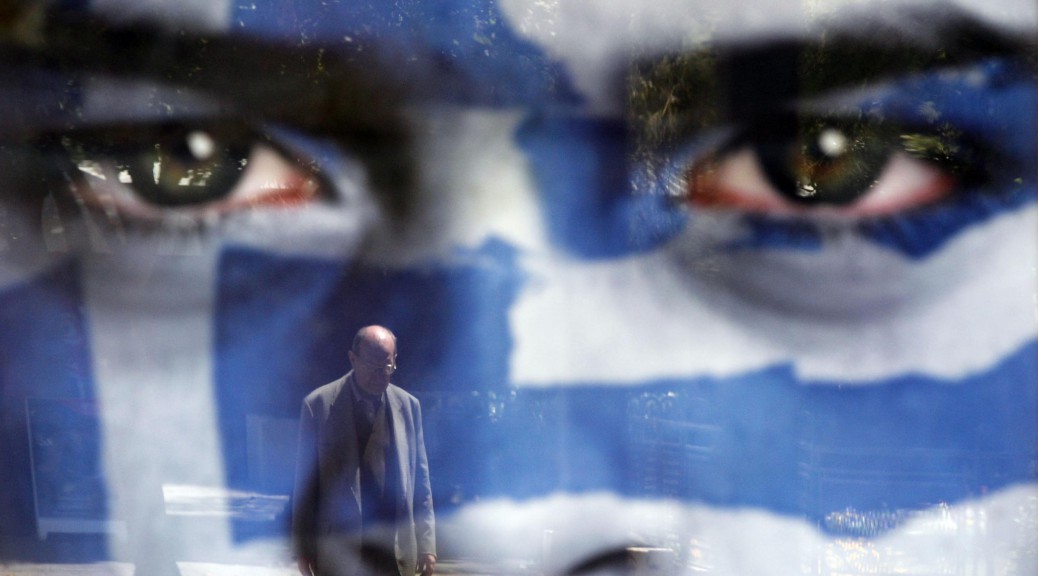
{"x":402,"y":444}
{"x":343,"y":432}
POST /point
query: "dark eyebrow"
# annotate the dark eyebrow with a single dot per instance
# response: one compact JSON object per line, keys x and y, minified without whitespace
{"x":673,"y":95}
{"x":311,"y":86}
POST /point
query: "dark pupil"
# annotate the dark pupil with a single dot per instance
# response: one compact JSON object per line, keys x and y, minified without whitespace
{"x":169,"y":166}
{"x":824,"y":163}
{"x":185,"y":167}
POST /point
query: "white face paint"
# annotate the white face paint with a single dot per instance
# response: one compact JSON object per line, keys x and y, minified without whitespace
{"x":475,"y":185}
{"x":852,"y":317}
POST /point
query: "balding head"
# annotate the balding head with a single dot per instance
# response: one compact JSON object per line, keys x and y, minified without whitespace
{"x":373,"y":337}
{"x":373,"y":358}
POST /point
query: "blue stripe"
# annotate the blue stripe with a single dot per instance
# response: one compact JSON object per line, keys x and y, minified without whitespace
{"x":284,"y":324}
{"x":43,"y":337}
{"x":763,"y":439}
{"x":461,"y":51}
{"x":579,"y":167}
{"x":762,"y":232}
{"x":45,"y":353}
{"x":920,"y":234}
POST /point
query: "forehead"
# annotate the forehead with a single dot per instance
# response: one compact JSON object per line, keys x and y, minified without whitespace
{"x":382,"y":345}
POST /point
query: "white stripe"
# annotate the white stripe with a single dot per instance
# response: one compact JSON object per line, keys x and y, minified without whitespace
{"x":852,"y":311}
{"x":149,"y":304}
{"x":997,"y":534}
{"x":150,"y":308}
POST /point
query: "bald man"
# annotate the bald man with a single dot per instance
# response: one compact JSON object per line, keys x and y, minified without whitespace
{"x":363,"y":502}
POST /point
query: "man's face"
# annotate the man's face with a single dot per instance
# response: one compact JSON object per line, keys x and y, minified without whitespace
{"x":373,"y":365}
{"x":664,"y":283}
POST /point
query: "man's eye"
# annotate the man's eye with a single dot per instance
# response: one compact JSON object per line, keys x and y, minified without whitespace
{"x":833,"y":167}
{"x":148,"y":172}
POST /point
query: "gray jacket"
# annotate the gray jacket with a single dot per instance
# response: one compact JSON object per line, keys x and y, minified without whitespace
{"x":326,"y":502}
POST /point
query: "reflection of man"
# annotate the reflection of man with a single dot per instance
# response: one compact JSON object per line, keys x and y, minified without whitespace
{"x":363,"y":502}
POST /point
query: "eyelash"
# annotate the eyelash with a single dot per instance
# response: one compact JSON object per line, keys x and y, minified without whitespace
{"x":831,"y":166}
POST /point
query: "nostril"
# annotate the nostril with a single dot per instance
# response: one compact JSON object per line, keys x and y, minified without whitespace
{"x":638,"y":560}
{"x":615,"y":560}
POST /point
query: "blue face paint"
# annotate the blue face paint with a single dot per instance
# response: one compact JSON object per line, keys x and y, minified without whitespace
{"x":44,"y":335}
{"x":581,"y":173}
{"x":760,"y":369}
{"x":463,"y":52}
{"x":993,"y":105}
{"x":988,"y":107}
{"x":51,"y":436}
{"x":770,"y":440}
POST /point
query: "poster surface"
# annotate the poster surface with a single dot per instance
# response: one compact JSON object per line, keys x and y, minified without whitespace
{"x":68,"y":486}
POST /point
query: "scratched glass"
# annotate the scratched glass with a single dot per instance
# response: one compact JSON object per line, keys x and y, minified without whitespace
{"x":725,"y":287}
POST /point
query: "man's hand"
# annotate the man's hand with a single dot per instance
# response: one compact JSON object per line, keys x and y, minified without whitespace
{"x":306,"y":566}
{"x":427,"y":565}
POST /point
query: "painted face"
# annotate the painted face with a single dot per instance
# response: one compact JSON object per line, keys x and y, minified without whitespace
{"x":722,"y":286}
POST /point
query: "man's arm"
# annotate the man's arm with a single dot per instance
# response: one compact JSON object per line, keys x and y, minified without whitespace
{"x":424,"y":517}
{"x":304,"y":496}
